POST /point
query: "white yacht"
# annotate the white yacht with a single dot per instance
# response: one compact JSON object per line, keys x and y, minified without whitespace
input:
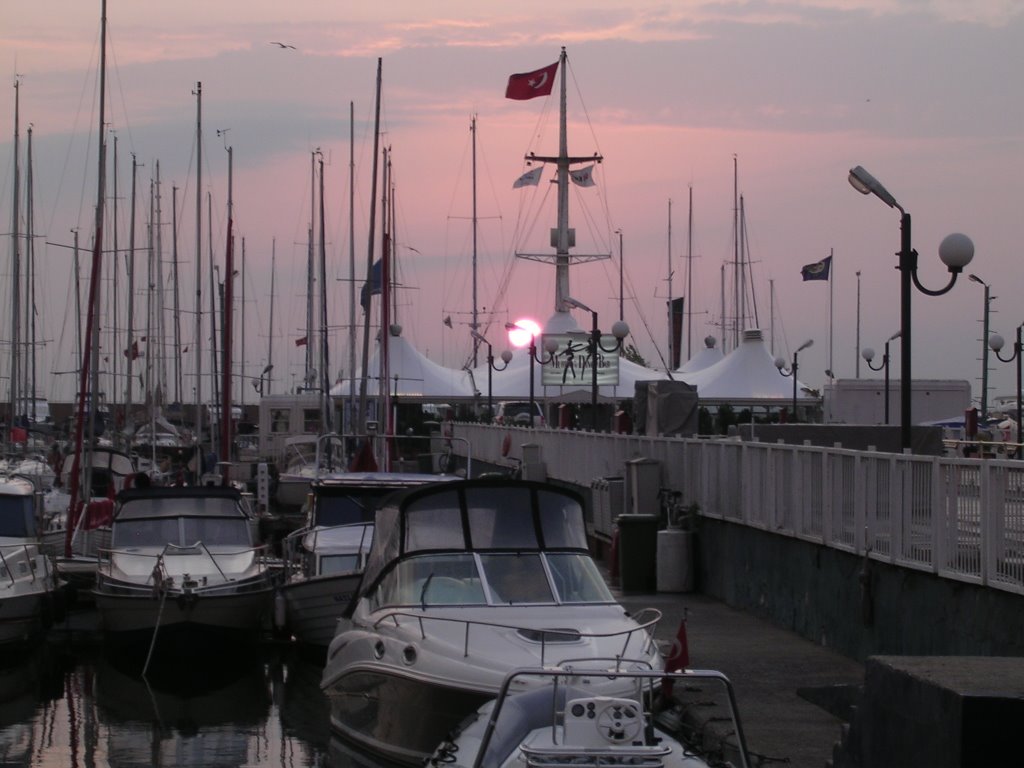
{"x":466,"y":581}
{"x":561,"y":720}
{"x":324,"y":560}
{"x":28,"y":582}
{"x":183,"y":560}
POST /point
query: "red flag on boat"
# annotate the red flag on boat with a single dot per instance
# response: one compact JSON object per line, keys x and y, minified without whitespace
{"x":527,"y":85}
{"x":19,"y":435}
{"x":301,"y":342}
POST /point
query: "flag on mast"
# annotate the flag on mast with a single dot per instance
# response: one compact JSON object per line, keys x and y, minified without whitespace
{"x":527,"y":85}
{"x":529,"y":179}
{"x":584,"y":177}
{"x":819,"y":270}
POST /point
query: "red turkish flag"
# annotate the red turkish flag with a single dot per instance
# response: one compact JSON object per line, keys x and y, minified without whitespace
{"x":526,"y":85}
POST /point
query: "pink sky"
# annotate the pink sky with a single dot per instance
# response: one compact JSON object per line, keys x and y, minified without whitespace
{"x":920,"y":93}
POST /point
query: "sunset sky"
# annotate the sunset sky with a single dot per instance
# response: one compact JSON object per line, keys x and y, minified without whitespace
{"x":925,"y":94}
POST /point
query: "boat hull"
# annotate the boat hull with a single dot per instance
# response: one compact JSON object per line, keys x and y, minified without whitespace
{"x":22,"y":616}
{"x":399,"y":717}
{"x":314,"y":605}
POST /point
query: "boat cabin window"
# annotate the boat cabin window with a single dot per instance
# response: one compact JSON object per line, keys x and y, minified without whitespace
{"x":342,"y":510}
{"x":561,"y":521}
{"x":448,"y":579}
{"x":434,"y":522}
{"x":502,"y":521}
{"x":182,"y":532}
{"x":331,"y":565}
{"x":17,"y":517}
{"x":577,"y":579}
{"x":518,"y":578}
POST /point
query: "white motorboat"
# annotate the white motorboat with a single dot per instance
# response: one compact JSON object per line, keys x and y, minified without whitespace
{"x":466,"y":581}
{"x":183,"y":560}
{"x":561,"y":720}
{"x":324,"y":561}
{"x":299,"y":469}
{"x":28,"y":582}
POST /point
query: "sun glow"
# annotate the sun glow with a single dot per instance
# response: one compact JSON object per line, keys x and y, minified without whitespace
{"x":524,"y":330}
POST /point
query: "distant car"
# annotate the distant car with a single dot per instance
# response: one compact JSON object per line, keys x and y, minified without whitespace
{"x":517,"y":413}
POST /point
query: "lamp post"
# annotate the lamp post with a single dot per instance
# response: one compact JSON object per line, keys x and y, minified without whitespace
{"x":955,"y":251}
{"x":780,"y":363}
{"x":619,"y":330}
{"x":869,"y":354}
{"x":506,"y":356}
{"x":550,"y":345}
{"x":258,"y":385}
{"x":996,"y":342}
{"x":984,"y":342}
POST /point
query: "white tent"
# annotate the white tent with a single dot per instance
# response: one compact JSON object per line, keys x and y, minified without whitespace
{"x":747,"y":376}
{"x":411,"y":375}
{"x":707,"y":357}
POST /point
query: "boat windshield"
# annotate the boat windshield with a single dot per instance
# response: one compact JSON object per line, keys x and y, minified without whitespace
{"x":181,"y":532}
{"x":545,"y":578}
{"x":354,"y":507}
{"x":16,"y":517}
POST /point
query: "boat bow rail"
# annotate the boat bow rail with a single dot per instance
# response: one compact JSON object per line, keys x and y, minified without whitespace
{"x":646,"y":623}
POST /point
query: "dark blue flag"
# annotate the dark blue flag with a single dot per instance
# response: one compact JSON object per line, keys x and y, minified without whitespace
{"x":372,"y":287}
{"x":819,"y":270}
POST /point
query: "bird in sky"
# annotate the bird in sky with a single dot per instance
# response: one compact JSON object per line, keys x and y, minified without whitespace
{"x":282,"y":45}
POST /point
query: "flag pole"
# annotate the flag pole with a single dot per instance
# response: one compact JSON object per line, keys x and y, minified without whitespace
{"x":831,"y":281}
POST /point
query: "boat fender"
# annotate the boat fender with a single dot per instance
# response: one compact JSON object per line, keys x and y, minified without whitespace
{"x":280,"y":611}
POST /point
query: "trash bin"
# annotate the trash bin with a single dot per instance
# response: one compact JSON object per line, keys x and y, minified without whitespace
{"x":638,"y":549}
{"x":675,"y":560}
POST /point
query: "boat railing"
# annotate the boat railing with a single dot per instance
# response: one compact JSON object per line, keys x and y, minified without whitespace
{"x":646,"y":623}
{"x":648,"y":681}
{"x":14,"y":550}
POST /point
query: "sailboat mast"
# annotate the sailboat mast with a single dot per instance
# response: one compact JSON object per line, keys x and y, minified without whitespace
{"x":88,"y":374}
{"x":115,"y":363}
{"x":226,"y":326}
{"x":310,"y":271}
{"x":351,"y":263}
{"x":28,"y":391}
{"x":132,"y":348}
{"x":689,"y":278}
{"x":735,"y":253}
{"x":15,"y":272}
{"x":671,"y":329}
{"x":176,"y":298}
{"x":270,"y":338}
{"x":198,"y":340}
{"x":562,"y":247}
{"x":325,"y":378}
{"x":476,"y":323}
{"x":369,"y":254}
{"x":384,"y":387}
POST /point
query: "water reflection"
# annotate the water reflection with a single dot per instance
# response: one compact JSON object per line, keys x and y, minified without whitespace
{"x":70,"y":704}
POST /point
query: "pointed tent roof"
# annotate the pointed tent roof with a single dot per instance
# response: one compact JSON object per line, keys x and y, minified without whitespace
{"x":418,"y":376}
{"x":707,"y":357}
{"x":747,"y":376}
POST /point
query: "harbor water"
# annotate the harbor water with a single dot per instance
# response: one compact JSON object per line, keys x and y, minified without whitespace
{"x":71,"y":701}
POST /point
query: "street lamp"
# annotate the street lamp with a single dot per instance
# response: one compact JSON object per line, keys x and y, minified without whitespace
{"x":869,"y":354}
{"x":506,"y":356}
{"x":780,"y":363}
{"x":619,"y":330}
{"x":550,"y":346}
{"x":984,"y":343}
{"x":955,"y":251}
{"x":996,"y":342}
{"x":258,"y":385}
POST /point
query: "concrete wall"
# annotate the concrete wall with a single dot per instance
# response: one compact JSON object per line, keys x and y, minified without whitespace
{"x":824,"y":595}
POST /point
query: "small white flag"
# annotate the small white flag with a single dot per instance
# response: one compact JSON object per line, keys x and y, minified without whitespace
{"x":530,"y":178}
{"x":584,"y":177}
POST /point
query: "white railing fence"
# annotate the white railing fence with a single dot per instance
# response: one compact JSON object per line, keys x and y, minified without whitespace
{"x":958,"y":518}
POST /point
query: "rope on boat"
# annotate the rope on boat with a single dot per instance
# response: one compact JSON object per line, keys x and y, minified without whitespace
{"x":158,"y":588}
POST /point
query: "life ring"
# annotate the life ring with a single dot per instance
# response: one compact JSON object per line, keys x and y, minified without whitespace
{"x":506,"y":444}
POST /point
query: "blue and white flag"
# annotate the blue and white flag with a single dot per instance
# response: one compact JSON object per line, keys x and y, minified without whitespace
{"x":529,"y":179}
{"x":584,"y":177}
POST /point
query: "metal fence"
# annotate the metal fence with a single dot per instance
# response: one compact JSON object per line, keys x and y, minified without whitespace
{"x":959,"y":518}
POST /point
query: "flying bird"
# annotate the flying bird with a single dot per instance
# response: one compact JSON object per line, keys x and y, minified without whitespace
{"x":282,"y":45}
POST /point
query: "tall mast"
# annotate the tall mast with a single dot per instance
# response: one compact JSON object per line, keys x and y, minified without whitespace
{"x":115,"y":364}
{"x":476,"y":323}
{"x":226,"y":327}
{"x":351,"y":263}
{"x":384,"y":388}
{"x":159,"y":315}
{"x":132,"y":343}
{"x":15,"y":272}
{"x":671,"y":329}
{"x":310,"y":271}
{"x":735,"y":253}
{"x":270,"y":339}
{"x":689,"y":279}
{"x":325,"y":377}
{"x":28,"y":391}
{"x":214,"y":365}
{"x":369,"y":254}
{"x":198,"y":340}
{"x":88,"y":372}
{"x":177,"y":300}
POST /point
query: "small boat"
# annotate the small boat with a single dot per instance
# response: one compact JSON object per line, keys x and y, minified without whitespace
{"x":28,"y":582}
{"x":324,"y":560}
{"x":560,"y":720}
{"x":298,"y":471}
{"x":466,"y":581}
{"x":183,"y":560}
